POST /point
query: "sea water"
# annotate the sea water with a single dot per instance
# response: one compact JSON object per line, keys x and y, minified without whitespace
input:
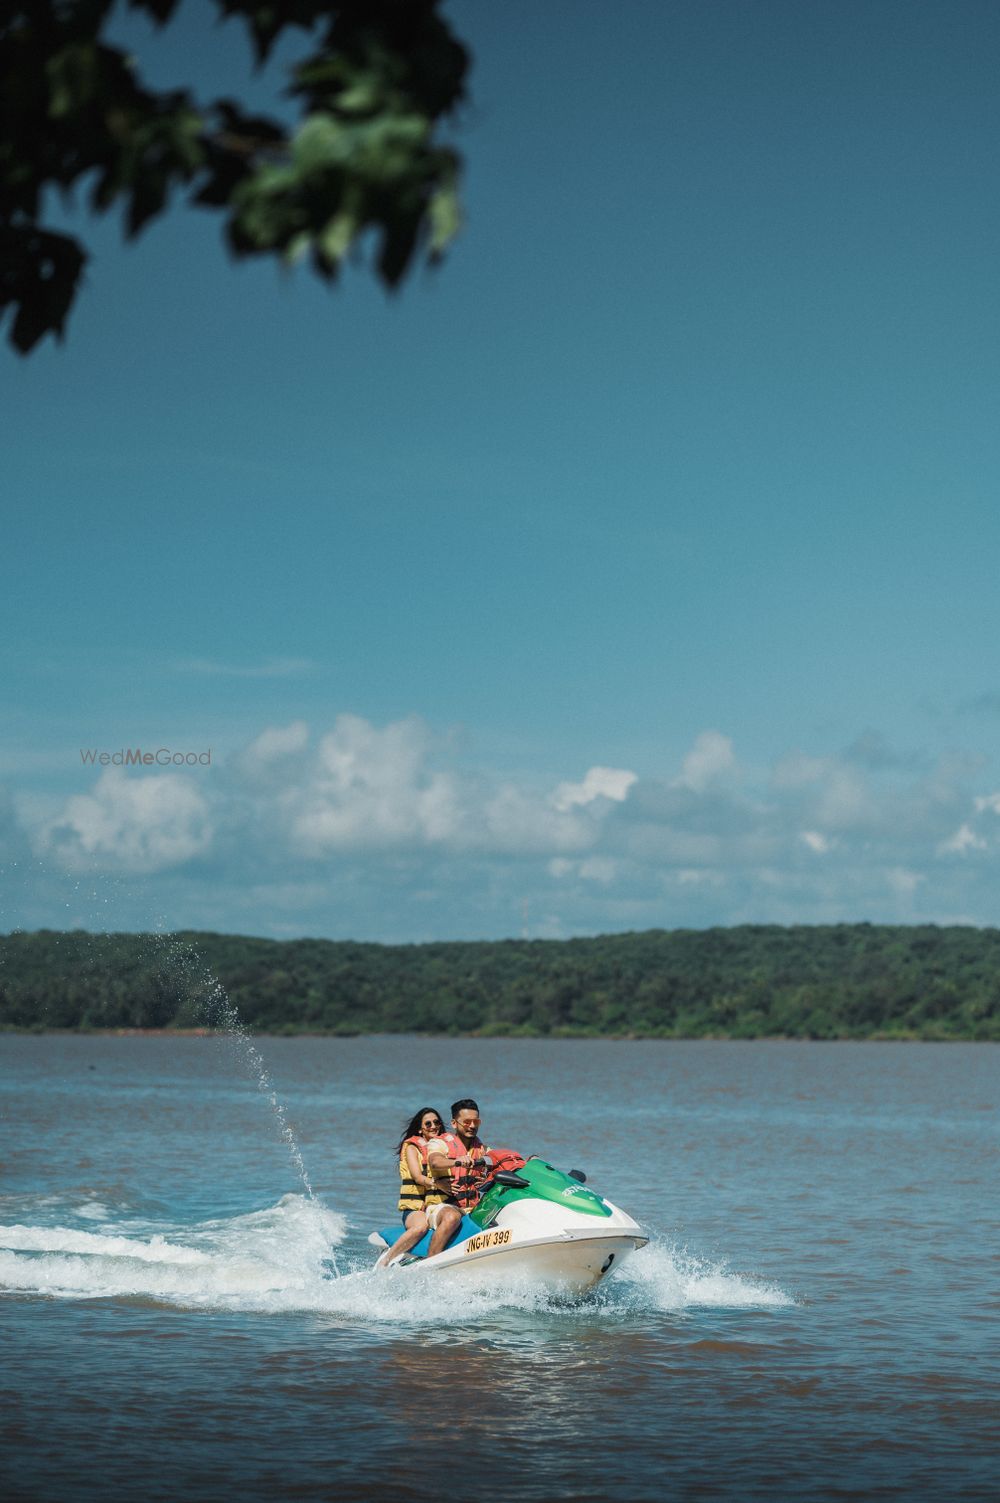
{"x":189,"y":1310}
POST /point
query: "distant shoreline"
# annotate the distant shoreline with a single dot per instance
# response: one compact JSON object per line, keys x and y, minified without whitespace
{"x":507,"y":1038}
{"x":836,"y":981}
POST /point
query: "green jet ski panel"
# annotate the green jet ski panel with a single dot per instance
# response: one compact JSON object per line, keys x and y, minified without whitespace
{"x":544,"y":1183}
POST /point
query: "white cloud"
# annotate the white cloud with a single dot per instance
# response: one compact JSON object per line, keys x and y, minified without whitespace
{"x":269,"y":668}
{"x":274,"y":745}
{"x":796,"y":770}
{"x":600,"y":782}
{"x":671,"y":844}
{"x":848,"y":801}
{"x":131,"y":824}
{"x":517,"y":820}
{"x":688,"y":876}
{"x":380,"y":789}
{"x":904,"y":883}
{"x":339,"y":819}
{"x":838,"y":797}
{"x":710,"y":759}
{"x":964,"y":839}
{"x":600,"y":869}
{"x":369,"y":788}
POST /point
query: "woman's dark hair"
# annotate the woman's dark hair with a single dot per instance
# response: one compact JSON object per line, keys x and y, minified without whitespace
{"x":412,"y":1128}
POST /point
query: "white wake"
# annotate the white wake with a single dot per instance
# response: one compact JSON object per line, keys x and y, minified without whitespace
{"x":281,"y":1259}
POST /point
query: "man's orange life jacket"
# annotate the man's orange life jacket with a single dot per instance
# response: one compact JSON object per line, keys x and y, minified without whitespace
{"x":466,"y":1179}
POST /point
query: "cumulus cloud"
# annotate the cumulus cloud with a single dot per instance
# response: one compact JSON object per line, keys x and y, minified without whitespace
{"x":130,"y":824}
{"x":797,"y":770}
{"x":904,"y":883}
{"x":365,"y":788}
{"x":964,"y":839}
{"x":342,"y":817}
{"x":600,"y":782}
{"x":838,"y":792}
{"x":872,"y":750}
{"x":372,"y":788}
{"x":273,"y":747}
{"x":520,"y":821}
{"x":594,"y":869}
{"x":698,"y":876}
{"x":710,"y":758}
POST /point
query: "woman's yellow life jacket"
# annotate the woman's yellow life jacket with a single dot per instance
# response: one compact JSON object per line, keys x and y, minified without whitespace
{"x":413,"y":1197}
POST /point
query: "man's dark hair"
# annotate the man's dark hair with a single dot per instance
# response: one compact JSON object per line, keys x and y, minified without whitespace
{"x":465,"y":1105}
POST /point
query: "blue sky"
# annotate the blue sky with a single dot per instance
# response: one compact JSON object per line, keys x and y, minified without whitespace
{"x":637,"y":567}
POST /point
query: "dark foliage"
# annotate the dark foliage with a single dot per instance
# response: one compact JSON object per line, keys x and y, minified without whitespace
{"x":841,"y":981}
{"x":383,"y":76}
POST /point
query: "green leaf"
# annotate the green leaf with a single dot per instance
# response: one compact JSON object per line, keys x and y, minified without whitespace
{"x":445,"y":214}
{"x":335,"y":240}
{"x":298,"y":247}
{"x":320,"y":142}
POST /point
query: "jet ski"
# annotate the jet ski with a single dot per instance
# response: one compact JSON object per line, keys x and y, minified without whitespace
{"x":536,"y":1225}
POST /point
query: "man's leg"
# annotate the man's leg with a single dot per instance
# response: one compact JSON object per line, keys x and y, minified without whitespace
{"x":446,"y":1223}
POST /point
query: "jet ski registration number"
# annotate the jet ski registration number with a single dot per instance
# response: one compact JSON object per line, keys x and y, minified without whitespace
{"x":488,"y":1239}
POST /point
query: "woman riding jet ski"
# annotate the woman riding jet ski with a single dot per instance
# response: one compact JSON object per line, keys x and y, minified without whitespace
{"x":531,"y":1224}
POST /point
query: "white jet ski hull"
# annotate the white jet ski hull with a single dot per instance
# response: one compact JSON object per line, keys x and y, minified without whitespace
{"x":538,"y":1244}
{"x":569,"y":1267}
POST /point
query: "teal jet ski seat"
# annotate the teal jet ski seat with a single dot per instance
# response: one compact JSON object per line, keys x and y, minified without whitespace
{"x":466,"y":1228}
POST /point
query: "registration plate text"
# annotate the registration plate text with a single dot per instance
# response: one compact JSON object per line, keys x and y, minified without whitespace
{"x":488,"y":1239}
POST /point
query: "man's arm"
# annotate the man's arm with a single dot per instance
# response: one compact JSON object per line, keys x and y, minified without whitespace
{"x":440,"y":1161}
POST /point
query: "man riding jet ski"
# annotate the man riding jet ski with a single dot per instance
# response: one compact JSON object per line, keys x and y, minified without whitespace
{"x":528,"y":1222}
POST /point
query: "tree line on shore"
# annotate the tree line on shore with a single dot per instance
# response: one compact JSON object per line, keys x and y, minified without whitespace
{"x":754,"y":981}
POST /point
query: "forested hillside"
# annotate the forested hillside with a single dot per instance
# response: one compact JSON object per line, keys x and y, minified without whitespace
{"x":841,"y":981}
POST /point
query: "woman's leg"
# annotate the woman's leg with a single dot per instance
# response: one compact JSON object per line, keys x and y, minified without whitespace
{"x":414,"y":1228}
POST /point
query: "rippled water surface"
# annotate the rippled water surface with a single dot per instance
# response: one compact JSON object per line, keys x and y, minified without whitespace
{"x":815,"y":1315}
